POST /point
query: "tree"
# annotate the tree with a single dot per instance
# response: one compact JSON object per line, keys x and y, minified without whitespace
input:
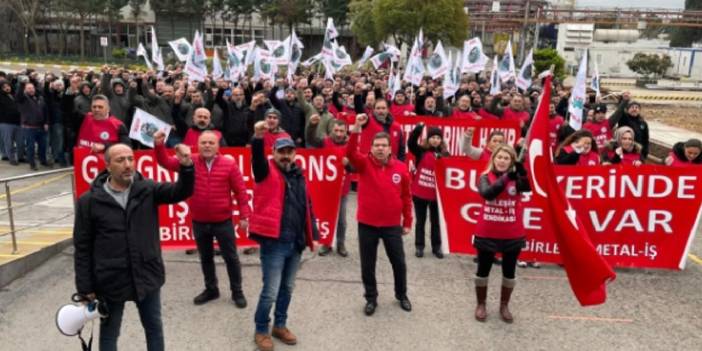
{"x":137,"y":6}
{"x":652,"y":65}
{"x":85,"y":9}
{"x":684,"y":37}
{"x":544,"y":58}
{"x":27,"y":12}
{"x":336,"y":9}
{"x":443,"y":20}
{"x":288,"y":12}
{"x":362,"y":23}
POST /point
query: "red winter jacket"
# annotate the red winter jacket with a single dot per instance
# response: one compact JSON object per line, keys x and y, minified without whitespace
{"x":212,"y":198}
{"x":401,"y":110}
{"x":470,"y":115}
{"x":328,"y":143}
{"x":270,"y":137}
{"x":374,"y":127}
{"x":384,"y":198}
{"x":600,"y":131}
{"x":485,"y":114}
{"x":268,"y":206}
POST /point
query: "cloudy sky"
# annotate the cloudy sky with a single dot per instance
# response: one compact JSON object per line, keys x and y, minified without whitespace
{"x":660,"y":4}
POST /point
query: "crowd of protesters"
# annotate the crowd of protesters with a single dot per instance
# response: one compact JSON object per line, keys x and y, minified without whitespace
{"x":44,"y":116}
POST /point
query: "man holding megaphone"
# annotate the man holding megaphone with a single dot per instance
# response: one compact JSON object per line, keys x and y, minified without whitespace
{"x":117,"y":248}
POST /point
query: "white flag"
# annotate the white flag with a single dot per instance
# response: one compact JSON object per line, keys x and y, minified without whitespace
{"x":452,"y":77}
{"x":141,"y":51}
{"x":506,"y":68}
{"x":264,"y":69}
{"x":394,"y":51}
{"x":217,"y":71}
{"x":295,"y":52}
{"x":595,"y":82}
{"x":341,"y":57}
{"x":495,"y":85}
{"x":247,"y":50}
{"x":329,"y":35}
{"x":438,"y":63}
{"x":235,"y":63}
{"x":526,"y":72}
{"x":380,"y":58}
{"x":312,"y":60}
{"x":199,"y":49}
{"x":144,"y":125}
{"x":181,"y":47}
{"x":414,"y":70}
{"x":576,"y":104}
{"x":396,"y":85}
{"x":473,"y":60}
{"x":156,"y":51}
{"x":366,"y":55}
{"x":279,"y":51}
{"x":196,"y":64}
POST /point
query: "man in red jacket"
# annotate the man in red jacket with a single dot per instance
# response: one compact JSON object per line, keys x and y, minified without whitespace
{"x":216,"y":177}
{"x":384,"y":212}
{"x":99,"y":129}
{"x":283,"y":224}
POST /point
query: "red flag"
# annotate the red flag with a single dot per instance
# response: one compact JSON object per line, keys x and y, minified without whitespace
{"x":587,"y":271}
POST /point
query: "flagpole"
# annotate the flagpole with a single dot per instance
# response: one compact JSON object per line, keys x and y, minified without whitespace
{"x":522,"y":152}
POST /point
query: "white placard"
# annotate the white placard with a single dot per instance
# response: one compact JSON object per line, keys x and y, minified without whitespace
{"x":144,"y":125}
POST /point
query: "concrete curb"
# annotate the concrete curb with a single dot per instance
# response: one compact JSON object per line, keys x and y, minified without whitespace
{"x":25,"y":264}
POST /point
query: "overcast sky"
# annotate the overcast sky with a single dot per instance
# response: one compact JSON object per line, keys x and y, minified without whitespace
{"x":660,"y":4}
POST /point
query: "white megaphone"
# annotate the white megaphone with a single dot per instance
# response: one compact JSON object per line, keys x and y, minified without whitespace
{"x":71,"y":318}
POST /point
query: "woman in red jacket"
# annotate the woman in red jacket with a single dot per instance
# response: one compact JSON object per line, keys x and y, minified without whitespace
{"x":579,"y":148}
{"x":623,"y":149}
{"x":500,"y":227}
{"x":684,"y":154}
{"x":424,"y":186}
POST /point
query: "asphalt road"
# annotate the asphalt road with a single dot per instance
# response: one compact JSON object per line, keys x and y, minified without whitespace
{"x":646,"y":310}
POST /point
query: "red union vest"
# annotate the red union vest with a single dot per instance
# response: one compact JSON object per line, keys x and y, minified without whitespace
{"x":501,"y":218}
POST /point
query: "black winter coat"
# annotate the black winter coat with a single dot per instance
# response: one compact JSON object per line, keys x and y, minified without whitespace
{"x":118,"y":252}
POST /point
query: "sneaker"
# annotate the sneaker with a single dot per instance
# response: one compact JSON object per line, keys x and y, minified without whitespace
{"x":33,"y":167}
{"x":14,"y":163}
{"x":324,"y":250}
{"x":439,"y":254}
{"x":419,"y":253}
{"x":263,"y":342}
{"x":522,"y":264}
{"x":370,"y":308}
{"x":250,"y":251}
{"x":285,"y":335}
{"x":190,"y":251}
{"x":206,"y":296}
{"x":534,"y":264}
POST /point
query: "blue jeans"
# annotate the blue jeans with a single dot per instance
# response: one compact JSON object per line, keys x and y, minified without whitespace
{"x":279,"y":263}
{"x":10,"y":141}
{"x":32,"y":136}
{"x":150,"y":315}
{"x":56,"y":143}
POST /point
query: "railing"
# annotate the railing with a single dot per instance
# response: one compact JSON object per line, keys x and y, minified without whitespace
{"x":8,"y":197}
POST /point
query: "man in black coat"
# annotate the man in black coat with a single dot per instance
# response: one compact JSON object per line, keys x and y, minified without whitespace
{"x":116,"y":238}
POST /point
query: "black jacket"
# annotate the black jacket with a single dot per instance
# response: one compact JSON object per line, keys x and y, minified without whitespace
{"x":237,"y":121}
{"x":9,"y":113}
{"x":621,"y":118}
{"x":117,"y":252}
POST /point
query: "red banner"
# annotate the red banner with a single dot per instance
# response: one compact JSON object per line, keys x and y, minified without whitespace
{"x":453,"y":129}
{"x":637,"y":216}
{"x":323,"y":170}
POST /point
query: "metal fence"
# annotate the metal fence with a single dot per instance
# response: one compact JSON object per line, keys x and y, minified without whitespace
{"x":8,"y":198}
